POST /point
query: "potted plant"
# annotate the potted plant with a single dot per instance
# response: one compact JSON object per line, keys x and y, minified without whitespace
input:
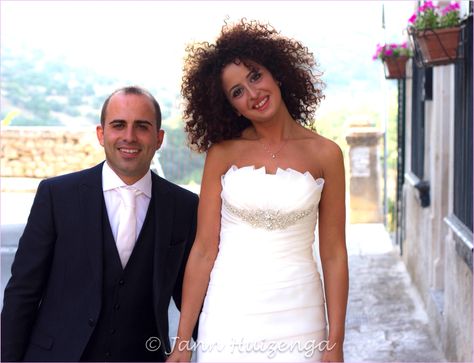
{"x":394,"y":56}
{"x":434,"y":32}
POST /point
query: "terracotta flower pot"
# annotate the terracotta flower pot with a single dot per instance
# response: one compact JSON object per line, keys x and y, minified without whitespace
{"x":438,"y":46}
{"x":395,"y":67}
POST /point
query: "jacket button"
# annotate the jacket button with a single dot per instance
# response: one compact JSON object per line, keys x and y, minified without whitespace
{"x":117,"y":306}
{"x":91,"y":322}
{"x":121,"y":282}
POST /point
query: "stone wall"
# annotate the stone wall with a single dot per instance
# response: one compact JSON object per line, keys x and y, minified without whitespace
{"x":40,"y":152}
{"x":432,"y":246}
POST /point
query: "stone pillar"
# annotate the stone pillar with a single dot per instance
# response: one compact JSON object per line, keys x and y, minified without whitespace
{"x":365,"y":199}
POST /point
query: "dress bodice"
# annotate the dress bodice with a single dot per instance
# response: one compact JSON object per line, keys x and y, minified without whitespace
{"x":267,"y":228}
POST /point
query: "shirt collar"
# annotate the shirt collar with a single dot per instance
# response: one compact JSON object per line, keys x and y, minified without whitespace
{"x":110,"y":181}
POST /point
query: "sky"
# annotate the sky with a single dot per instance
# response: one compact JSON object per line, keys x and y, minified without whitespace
{"x":145,"y":40}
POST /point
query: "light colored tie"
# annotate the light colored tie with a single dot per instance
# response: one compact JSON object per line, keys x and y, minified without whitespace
{"x":127,"y":228}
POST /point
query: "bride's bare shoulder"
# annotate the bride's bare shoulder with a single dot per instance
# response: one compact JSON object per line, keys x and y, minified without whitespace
{"x":320,"y":144}
{"x":326,"y":146}
{"x":223,"y":154}
{"x":327,"y":154}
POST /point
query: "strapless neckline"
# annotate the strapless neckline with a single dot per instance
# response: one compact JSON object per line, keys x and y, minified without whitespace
{"x":263,"y":171}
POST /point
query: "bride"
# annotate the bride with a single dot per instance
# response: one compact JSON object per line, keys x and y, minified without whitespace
{"x":251,"y":277}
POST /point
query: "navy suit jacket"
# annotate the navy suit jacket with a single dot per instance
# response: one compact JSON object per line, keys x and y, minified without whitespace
{"x":53,"y":299}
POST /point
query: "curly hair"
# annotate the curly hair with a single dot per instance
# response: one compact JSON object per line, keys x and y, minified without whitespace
{"x":208,"y":114}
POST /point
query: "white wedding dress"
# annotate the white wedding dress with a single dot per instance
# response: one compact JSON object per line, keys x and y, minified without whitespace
{"x":265,"y":300}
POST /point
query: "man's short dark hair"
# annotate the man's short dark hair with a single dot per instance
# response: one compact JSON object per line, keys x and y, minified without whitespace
{"x":133,"y":90}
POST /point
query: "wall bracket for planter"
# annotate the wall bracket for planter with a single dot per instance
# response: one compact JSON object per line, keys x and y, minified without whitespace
{"x":423,"y":188}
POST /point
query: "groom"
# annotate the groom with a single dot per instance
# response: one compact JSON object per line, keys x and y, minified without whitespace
{"x":83,"y":287}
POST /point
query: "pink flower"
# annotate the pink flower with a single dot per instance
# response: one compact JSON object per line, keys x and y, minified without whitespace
{"x":426,"y":5}
{"x":450,"y":7}
{"x":412,"y":19}
{"x":391,"y":50}
{"x":429,"y":5}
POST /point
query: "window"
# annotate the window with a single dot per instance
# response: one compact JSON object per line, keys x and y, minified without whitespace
{"x":421,"y":91}
{"x":463,"y":131}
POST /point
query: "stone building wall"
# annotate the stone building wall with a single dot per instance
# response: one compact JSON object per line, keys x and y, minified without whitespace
{"x":432,"y":244}
{"x":41,"y":152}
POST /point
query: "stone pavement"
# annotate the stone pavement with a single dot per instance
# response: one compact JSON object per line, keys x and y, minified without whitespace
{"x":385,"y":321}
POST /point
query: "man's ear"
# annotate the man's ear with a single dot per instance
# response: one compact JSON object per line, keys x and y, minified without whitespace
{"x":159,"y":138}
{"x":100,"y":134}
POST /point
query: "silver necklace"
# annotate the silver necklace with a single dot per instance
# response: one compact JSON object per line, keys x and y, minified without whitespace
{"x":273,"y":154}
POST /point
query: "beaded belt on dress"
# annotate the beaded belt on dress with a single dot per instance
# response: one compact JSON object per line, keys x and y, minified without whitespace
{"x":267,"y":218}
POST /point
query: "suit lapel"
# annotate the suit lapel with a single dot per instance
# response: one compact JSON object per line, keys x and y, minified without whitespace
{"x":91,"y":201}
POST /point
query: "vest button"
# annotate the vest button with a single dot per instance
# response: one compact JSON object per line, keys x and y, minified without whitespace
{"x":121,"y":282}
{"x":112,"y":331}
{"x":91,"y":322}
{"x":117,"y":306}
{"x":107,"y":354}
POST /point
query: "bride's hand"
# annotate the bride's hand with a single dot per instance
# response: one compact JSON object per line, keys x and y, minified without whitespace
{"x":179,"y":355}
{"x":335,"y":354}
{"x":181,"y":352}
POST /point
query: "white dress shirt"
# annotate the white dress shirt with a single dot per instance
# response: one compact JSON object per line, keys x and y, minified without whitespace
{"x":113,"y":201}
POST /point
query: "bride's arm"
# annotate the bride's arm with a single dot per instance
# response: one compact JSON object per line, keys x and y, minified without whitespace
{"x":332,"y":248}
{"x":203,"y":253}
